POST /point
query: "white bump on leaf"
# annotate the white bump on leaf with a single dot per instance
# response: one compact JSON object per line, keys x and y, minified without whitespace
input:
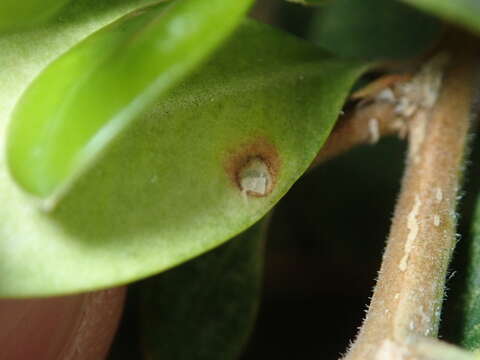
{"x":255,"y":178}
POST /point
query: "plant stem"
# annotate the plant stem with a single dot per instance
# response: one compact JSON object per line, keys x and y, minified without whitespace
{"x":359,"y":126}
{"x":408,"y":296}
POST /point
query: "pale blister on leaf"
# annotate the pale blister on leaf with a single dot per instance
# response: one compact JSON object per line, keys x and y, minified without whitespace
{"x":209,"y":303}
{"x":168,"y":189}
{"x":84,"y":99}
{"x":465,"y":13}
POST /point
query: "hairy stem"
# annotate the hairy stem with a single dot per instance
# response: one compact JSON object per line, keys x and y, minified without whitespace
{"x":408,"y":296}
{"x":364,"y":125}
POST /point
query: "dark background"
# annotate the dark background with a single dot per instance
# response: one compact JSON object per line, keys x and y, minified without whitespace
{"x":324,"y":250}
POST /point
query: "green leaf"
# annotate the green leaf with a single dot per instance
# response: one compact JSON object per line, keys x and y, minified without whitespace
{"x":167,"y":190}
{"x":373,"y":29}
{"x":209,"y":303}
{"x":88,"y":96}
{"x":20,"y":14}
{"x":470,"y":327}
{"x":461,"y":12}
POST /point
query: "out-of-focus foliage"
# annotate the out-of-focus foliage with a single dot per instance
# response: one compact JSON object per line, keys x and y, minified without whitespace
{"x":465,"y":13}
{"x":470,"y":326}
{"x":309,"y":2}
{"x":205,"y":309}
{"x":373,"y":29}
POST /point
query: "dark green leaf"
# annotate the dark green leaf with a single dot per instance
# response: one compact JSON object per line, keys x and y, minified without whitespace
{"x":373,"y":29}
{"x":204,"y":309}
{"x":169,"y":189}
{"x":461,"y":12}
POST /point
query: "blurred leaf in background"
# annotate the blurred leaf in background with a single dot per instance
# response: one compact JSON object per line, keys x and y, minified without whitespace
{"x":373,"y":29}
{"x":309,"y":2}
{"x":465,"y":13}
{"x":462,"y":320}
{"x":471,"y":310}
{"x":205,"y":306}
{"x":205,"y":309}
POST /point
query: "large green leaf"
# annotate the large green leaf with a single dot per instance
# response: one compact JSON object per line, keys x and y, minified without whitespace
{"x":84,"y":99}
{"x":168,"y":189}
{"x":461,"y":12}
{"x":19,"y":14}
{"x":208,"y":303}
{"x":373,"y":29}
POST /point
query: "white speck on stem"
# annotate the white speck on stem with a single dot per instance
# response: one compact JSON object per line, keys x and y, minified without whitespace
{"x":390,"y":350}
{"x":438,"y":195}
{"x":417,"y":135}
{"x":436,"y":220}
{"x":386,"y":95}
{"x":413,"y":227}
{"x":402,"y":105}
{"x":374,"y":131}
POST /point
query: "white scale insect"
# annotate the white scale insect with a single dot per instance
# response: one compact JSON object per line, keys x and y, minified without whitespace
{"x":255,"y":178}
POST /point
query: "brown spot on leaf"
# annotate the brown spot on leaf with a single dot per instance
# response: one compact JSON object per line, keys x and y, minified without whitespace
{"x":253,"y":167}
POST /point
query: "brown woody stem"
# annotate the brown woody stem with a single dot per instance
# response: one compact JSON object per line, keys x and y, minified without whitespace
{"x":408,"y":296}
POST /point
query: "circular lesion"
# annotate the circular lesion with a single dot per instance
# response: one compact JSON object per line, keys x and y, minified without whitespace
{"x":253,"y":167}
{"x":254,"y":177}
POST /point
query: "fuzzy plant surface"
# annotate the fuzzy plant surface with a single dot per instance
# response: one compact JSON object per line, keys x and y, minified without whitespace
{"x":152,"y":139}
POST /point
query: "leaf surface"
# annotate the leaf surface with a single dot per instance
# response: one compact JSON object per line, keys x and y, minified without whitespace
{"x":209,"y":303}
{"x":20,"y":14}
{"x":170,"y":188}
{"x":84,"y":99}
